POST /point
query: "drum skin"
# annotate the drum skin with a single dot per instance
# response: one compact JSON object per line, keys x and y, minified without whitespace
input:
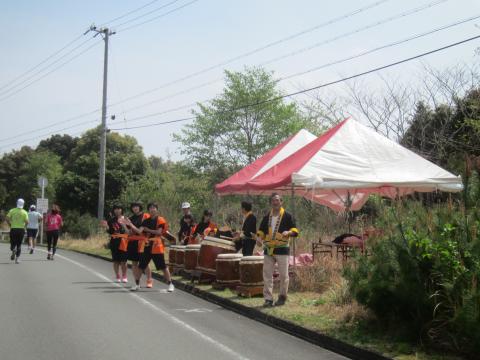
{"x":209,"y":250}
{"x":191,"y":257}
{"x":180,"y":256}
{"x":251,"y":271}
{"x":228,"y":268}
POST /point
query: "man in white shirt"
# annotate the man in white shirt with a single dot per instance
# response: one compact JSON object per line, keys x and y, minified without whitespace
{"x":34,"y":218}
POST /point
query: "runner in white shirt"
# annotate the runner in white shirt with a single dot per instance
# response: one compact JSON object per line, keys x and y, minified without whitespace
{"x":34,"y":218}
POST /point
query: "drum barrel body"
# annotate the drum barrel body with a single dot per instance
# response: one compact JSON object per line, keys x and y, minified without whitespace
{"x":191,"y":257}
{"x":228,"y":269}
{"x":209,"y":250}
{"x":172,"y":254}
{"x":251,"y":271}
{"x":180,"y":256}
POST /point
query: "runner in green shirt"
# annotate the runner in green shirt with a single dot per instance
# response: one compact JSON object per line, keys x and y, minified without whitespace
{"x":17,"y":218}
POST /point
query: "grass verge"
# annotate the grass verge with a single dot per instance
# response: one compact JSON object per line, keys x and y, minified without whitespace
{"x":327,"y":310}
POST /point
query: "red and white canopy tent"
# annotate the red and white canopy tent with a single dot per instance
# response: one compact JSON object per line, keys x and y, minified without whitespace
{"x":341,"y":168}
{"x":237,"y":183}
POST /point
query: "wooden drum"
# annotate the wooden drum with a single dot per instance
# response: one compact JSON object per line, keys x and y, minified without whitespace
{"x":228,"y":269}
{"x":180,"y":256}
{"x":209,"y":250}
{"x":191,"y":257}
{"x":251,"y":271}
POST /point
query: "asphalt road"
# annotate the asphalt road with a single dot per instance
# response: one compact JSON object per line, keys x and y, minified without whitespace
{"x":69,"y":308}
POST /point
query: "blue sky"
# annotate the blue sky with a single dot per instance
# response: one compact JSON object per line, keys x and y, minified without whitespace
{"x":202,"y":34}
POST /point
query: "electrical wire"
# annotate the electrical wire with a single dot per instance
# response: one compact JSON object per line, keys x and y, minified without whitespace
{"x":246,"y":106}
{"x":9,"y":95}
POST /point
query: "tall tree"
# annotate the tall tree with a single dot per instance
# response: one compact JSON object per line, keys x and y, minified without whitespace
{"x":232,"y":131}
{"x":78,"y":188}
{"x":61,"y":145}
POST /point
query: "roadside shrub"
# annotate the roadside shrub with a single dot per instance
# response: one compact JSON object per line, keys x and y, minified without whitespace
{"x":80,"y":226}
{"x":422,"y":275}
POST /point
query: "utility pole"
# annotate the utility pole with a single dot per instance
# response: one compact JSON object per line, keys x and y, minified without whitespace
{"x":105,"y":32}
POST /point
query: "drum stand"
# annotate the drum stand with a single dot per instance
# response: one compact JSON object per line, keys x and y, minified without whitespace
{"x":249,"y":291}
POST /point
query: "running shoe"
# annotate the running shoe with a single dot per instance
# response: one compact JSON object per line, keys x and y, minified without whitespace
{"x":171,"y":287}
{"x":150,"y":283}
{"x":12,"y":257}
{"x":118,"y":280}
{"x":135,"y":287}
{"x":17,"y":260}
{"x":31,"y":251}
{"x":124,"y":279}
{"x":49,"y":256}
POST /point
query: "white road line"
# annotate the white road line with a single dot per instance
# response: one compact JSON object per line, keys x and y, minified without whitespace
{"x":152,"y":306}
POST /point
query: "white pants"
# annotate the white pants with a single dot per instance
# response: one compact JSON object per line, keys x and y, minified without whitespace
{"x":268,"y":268}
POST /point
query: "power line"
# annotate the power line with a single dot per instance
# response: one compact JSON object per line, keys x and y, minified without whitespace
{"x":356,"y":31}
{"x":41,"y":62}
{"x":129,"y":13}
{"x":48,"y":73}
{"x":256,"y":50}
{"x":323,"y":66}
{"x":47,"y":134}
{"x":287,"y":95}
{"x":155,"y":124}
{"x":319,"y":86}
{"x":417,"y":36}
{"x":44,"y":68}
{"x":159,"y":16}
{"x":266,"y":46}
{"x":395,"y":43}
{"x":146,"y":14}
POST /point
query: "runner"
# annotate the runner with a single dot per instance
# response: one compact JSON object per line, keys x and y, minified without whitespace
{"x":53,"y":222}
{"x":17,"y":218}
{"x":32,"y":228}
{"x":118,"y":243}
{"x":135,"y":236}
{"x":153,"y":228}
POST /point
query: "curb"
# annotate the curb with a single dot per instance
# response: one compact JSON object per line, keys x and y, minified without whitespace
{"x":324,"y":341}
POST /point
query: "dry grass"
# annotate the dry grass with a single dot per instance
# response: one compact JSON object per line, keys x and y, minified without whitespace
{"x":95,"y":244}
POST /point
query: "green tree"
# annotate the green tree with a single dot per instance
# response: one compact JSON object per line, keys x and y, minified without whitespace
{"x":11,"y":167}
{"x":61,"y":145}
{"x":227,"y":134}
{"x":41,"y":163}
{"x":78,"y":188}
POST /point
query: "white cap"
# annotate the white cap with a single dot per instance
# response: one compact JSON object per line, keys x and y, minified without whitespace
{"x":32,"y":207}
{"x":20,"y":203}
{"x":185,"y":205}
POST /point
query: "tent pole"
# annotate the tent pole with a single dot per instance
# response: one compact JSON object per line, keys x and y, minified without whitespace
{"x":293,"y":214}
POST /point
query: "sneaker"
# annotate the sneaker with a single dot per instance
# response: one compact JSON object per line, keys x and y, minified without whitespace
{"x":31,"y":251}
{"x":150,"y":283}
{"x":135,"y":288}
{"x":12,"y":257}
{"x":17,"y":260}
{"x":268,"y":304}
{"x":51,"y":257}
{"x":124,"y":279}
{"x":171,"y":287}
{"x":48,"y":256}
{"x":118,"y":280}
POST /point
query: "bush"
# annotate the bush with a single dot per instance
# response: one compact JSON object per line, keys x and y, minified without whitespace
{"x":422,"y":275}
{"x":80,"y":226}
